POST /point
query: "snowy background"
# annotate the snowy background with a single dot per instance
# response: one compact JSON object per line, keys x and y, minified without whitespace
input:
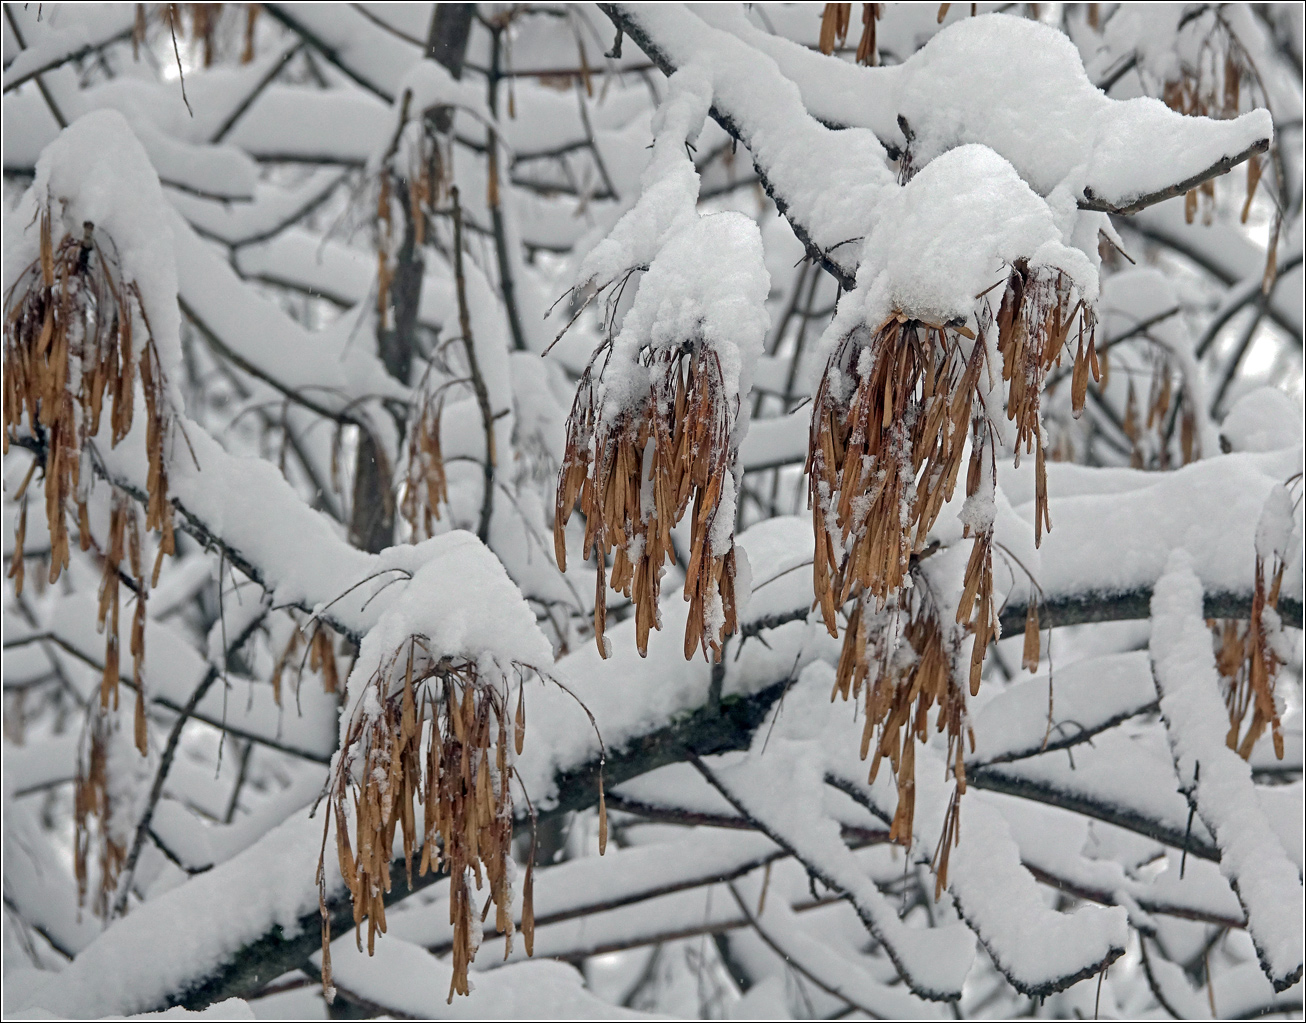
{"x":406,"y":293}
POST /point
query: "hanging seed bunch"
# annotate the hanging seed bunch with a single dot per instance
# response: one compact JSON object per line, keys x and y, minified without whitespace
{"x":1164,"y":406}
{"x":835,"y":19}
{"x":1212,"y":84}
{"x":1150,"y":430}
{"x":1249,"y":655}
{"x":888,"y":430}
{"x":889,"y":424}
{"x":835,"y":22}
{"x":436,"y":731}
{"x":205,"y":30}
{"x":110,"y":780}
{"x":425,"y":487}
{"x":1034,"y":322}
{"x":634,"y":469}
{"x":319,"y":653}
{"x":124,"y":543}
{"x":69,"y":352}
{"x":902,"y":665}
{"x":92,"y":811}
{"x":410,"y":183}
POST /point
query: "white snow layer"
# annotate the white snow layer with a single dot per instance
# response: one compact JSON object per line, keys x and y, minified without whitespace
{"x":1251,"y":855}
{"x":970,"y":84}
{"x":951,"y":233}
{"x":709,"y":282}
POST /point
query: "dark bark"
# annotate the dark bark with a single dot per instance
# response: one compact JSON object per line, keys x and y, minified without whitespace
{"x":372,"y":522}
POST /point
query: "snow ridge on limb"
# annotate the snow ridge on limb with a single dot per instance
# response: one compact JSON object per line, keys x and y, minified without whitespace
{"x":1039,"y":950}
{"x":771,"y":792}
{"x":826,"y":183}
{"x":1040,"y":131}
{"x":841,"y":976}
{"x":1218,"y":781}
{"x":407,"y":980}
{"x":1037,"y":131}
{"x":321,"y":370}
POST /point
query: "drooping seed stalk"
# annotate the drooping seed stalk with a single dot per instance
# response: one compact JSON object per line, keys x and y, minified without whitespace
{"x":436,"y":733}
{"x":634,"y":474}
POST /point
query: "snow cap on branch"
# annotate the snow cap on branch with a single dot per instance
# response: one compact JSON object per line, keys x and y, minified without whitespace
{"x":947,"y":236}
{"x":709,"y":281}
{"x":97,"y":172}
{"x":1064,"y":131}
{"x":463,"y":602}
{"x":669,"y":184}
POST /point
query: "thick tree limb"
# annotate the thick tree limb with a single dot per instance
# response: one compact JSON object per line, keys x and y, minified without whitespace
{"x":193,"y":524}
{"x":706,"y":731}
{"x":1080,"y":609}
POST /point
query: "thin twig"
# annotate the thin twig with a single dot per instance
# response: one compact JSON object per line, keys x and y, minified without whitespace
{"x":474,"y":369}
{"x":214,"y":672}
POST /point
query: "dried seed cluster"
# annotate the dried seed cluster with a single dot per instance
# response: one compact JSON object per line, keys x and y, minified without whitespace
{"x":1211,"y":85}
{"x":432,"y":729}
{"x":321,"y":657}
{"x":421,"y":185}
{"x":1150,"y":436}
{"x":92,"y":810}
{"x":634,"y":472}
{"x":205,"y":21}
{"x":835,"y":21}
{"x":889,"y":425}
{"x":124,"y":531}
{"x":68,"y":345}
{"x":888,"y":431}
{"x":70,"y":320}
{"x":68,"y":349}
{"x":425,"y":487}
{"x":106,"y":791}
{"x":1248,"y":661}
{"x":1033,"y":323}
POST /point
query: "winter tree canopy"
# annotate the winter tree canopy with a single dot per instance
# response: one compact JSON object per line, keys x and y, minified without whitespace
{"x":603,"y":510}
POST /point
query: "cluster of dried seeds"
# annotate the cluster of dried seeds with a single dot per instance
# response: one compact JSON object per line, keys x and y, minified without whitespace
{"x":889,"y":425}
{"x":124,"y":539}
{"x":68,"y":348}
{"x":634,"y":473}
{"x":1212,"y":85}
{"x":1034,"y":322}
{"x":205,"y":25}
{"x":320,"y":656}
{"x":835,"y":21}
{"x":92,"y":813}
{"x":1248,"y":662}
{"x":425,"y":487}
{"x":422,"y":184}
{"x":1150,"y":436}
{"x":68,"y":352}
{"x":434,"y":730}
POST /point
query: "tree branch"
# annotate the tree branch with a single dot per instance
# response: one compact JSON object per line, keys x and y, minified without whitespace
{"x":1224,"y":165}
{"x":214,"y":672}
